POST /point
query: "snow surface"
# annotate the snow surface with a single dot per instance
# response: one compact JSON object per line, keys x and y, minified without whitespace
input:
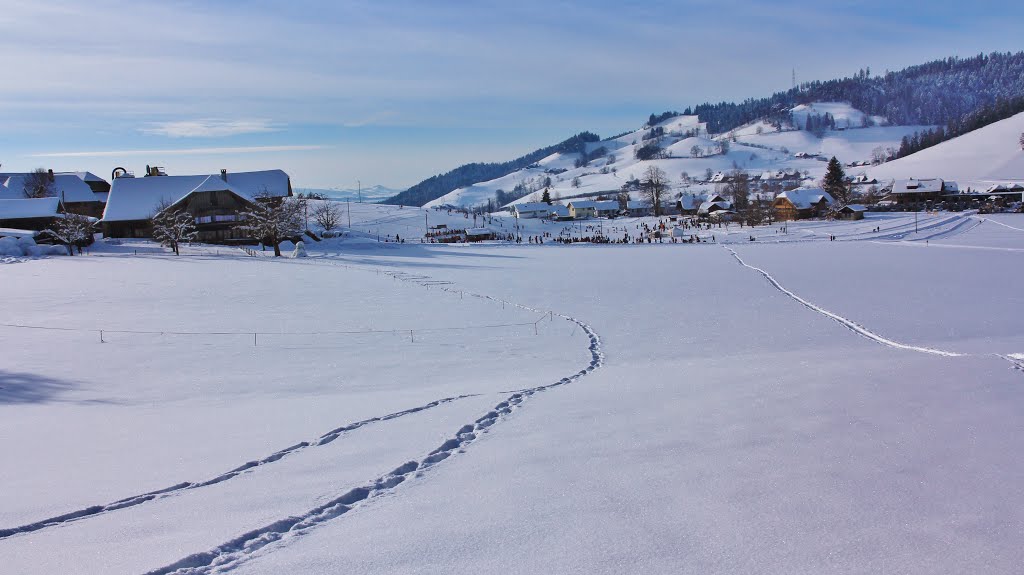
{"x":788,"y":405}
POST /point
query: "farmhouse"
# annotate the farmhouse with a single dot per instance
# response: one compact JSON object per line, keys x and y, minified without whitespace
{"x":910,"y":193}
{"x":29,"y":213}
{"x":213,"y":200}
{"x":79,"y":192}
{"x":801,"y":204}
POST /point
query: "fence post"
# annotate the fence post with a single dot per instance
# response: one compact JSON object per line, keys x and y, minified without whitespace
{"x":254,"y":340}
{"x":101,"y":337}
{"x":411,"y":338}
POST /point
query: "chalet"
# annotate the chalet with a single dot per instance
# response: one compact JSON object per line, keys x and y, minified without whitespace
{"x":213,"y":200}
{"x":531,"y":210}
{"x":851,"y":212}
{"x":79,"y":192}
{"x":801,"y":204}
{"x":33,"y":214}
{"x":582,"y":210}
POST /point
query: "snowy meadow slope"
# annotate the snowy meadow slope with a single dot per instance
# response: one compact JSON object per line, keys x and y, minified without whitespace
{"x":786,"y":405}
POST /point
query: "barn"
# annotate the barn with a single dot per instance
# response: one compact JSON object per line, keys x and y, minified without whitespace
{"x":852,"y":212}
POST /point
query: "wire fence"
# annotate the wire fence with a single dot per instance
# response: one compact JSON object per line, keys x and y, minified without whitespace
{"x":101,"y":333}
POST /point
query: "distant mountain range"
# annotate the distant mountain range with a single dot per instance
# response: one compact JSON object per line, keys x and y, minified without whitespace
{"x":941,"y":93}
{"x":369,"y":194}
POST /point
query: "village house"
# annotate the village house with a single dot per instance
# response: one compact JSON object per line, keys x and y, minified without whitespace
{"x":607,"y":208}
{"x":79,"y":192}
{"x":213,"y":200}
{"x":801,"y":204}
{"x":34,"y":214}
{"x":713,"y":203}
{"x":582,"y":210}
{"x":638,"y":208}
{"x":531,"y":210}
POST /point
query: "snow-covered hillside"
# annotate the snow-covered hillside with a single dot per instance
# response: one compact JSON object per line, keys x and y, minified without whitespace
{"x":691,"y":150}
{"x":978,"y":159}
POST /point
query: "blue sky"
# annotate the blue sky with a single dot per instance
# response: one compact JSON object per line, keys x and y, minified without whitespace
{"x":393,"y":92}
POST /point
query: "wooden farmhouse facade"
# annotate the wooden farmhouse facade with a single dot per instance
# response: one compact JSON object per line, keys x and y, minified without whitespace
{"x":801,"y":204}
{"x":214,"y":201}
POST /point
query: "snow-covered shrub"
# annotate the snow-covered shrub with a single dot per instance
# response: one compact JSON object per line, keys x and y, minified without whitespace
{"x":9,"y":247}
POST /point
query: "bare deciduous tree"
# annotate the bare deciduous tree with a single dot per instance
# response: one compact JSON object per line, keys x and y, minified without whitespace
{"x":327,"y":215}
{"x":654,"y":187}
{"x":38,"y":184}
{"x":273,"y":220}
{"x":173,"y":226}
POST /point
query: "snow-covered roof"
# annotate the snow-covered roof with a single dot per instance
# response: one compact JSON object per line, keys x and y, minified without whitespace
{"x":138,"y":198}
{"x":27,"y":208}
{"x":805,"y":198}
{"x":854,"y":208}
{"x":15,"y":233}
{"x":70,"y":186}
{"x":584,"y":204}
{"x":606,"y":206}
{"x":637,"y":204}
{"x":707,"y":207}
{"x":559,"y":210}
{"x":912,"y":186}
{"x":478,"y":232}
{"x":690,"y":201}
{"x":527,"y":207}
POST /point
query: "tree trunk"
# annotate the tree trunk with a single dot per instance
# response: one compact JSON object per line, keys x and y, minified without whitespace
{"x":277,"y":249}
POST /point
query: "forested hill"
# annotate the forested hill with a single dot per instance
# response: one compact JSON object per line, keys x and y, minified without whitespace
{"x":437,"y":186}
{"x":940,"y":93}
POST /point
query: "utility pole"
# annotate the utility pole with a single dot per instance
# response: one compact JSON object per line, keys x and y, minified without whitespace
{"x":348,"y":207}
{"x":426,"y":224}
{"x":915,"y":222}
{"x":360,"y":190}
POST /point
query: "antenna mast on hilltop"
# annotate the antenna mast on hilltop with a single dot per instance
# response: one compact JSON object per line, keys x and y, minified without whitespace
{"x":794,"y":78}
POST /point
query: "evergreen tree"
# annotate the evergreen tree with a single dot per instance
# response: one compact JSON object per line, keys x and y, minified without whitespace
{"x":835,"y":182}
{"x":546,"y":197}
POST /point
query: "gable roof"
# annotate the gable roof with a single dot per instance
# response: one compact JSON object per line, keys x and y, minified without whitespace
{"x":805,"y":198}
{"x":606,"y":205}
{"x":138,"y":198}
{"x":29,"y":208}
{"x":583,"y":204}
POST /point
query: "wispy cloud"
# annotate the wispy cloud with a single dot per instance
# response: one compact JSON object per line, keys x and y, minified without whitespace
{"x":178,"y":152}
{"x":209,"y":128}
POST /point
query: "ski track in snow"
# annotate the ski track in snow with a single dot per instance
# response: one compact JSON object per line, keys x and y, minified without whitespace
{"x":847,"y":323}
{"x":233,"y":553}
{"x":178,"y":488}
{"x":1000,"y":223}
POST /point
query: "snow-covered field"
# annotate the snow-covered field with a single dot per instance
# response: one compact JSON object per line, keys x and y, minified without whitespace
{"x":788,"y":405}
